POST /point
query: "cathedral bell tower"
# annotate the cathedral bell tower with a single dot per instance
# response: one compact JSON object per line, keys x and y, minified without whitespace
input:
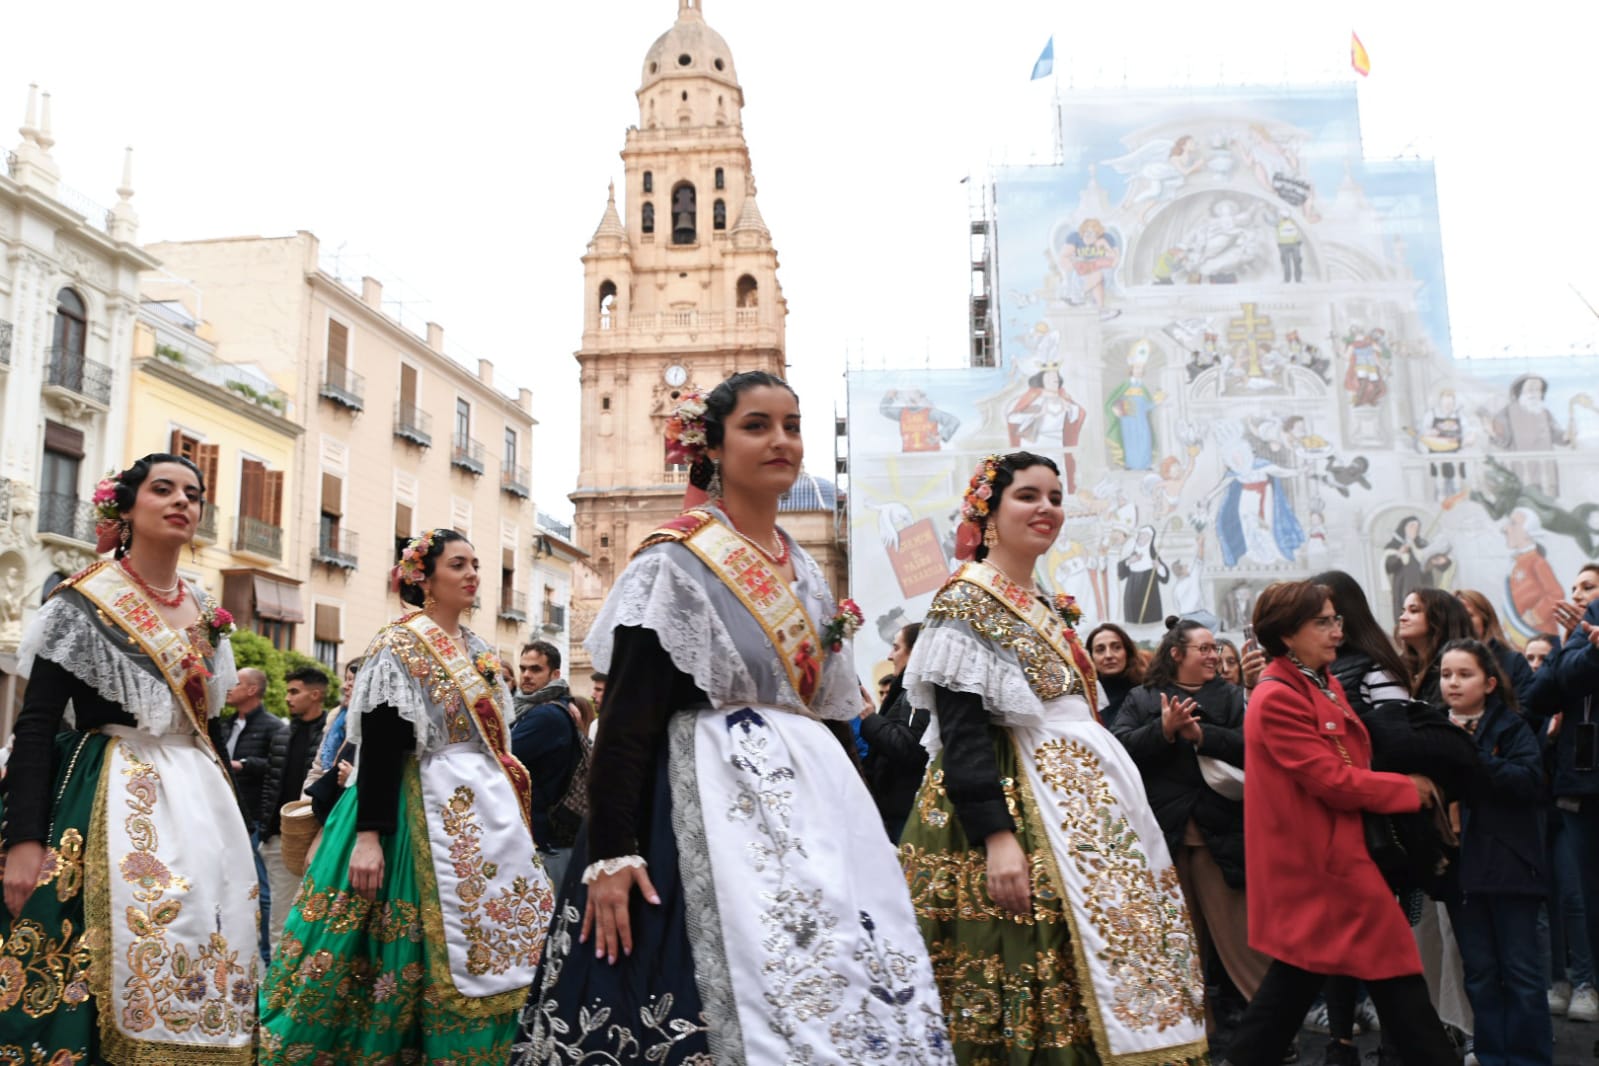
{"x":680,"y":290}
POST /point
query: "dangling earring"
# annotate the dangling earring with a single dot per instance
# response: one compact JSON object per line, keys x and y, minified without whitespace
{"x":127,"y":532}
{"x":428,"y":602}
{"x":991,"y":534}
{"x":713,"y":488}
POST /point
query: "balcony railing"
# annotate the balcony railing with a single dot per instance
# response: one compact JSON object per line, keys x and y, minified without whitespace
{"x":336,"y":547}
{"x":5,"y":343}
{"x":343,"y":386}
{"x":413,"y":424}
{"x":467,"y":454}
{"x":64,"y":515}
{"x":70,"y":370}
{"x":554,"y":617}
{"x":258,"y":538}
{"x":513,"y":607}
{"x":516,"y":480}
{"x":207,"y":529}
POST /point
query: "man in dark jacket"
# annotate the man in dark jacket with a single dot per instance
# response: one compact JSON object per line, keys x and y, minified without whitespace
{"x":293,"y":749}
{"x":245,"y":741}
{"x":1181,"y":712}
{"x":895,"y":759}
{"x":546,"y":738}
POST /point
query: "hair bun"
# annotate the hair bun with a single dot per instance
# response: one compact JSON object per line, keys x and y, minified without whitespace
{"x":1171,"y":621}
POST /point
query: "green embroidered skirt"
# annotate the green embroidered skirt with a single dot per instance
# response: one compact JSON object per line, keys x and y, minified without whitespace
{"x":1007,"y":982}
{"x":359,"y":983}
{"x":47,"y":1015}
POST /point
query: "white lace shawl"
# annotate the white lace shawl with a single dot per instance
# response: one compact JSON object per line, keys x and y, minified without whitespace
{"x":711,"y":636}
{"x":67,"y":632}
{"x":386,"y":678}
{"x":949,"y":655}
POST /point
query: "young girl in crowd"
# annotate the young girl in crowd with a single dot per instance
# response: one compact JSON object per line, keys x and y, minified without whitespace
{"x":1501,"y":863}
{"x":1429,"y":619}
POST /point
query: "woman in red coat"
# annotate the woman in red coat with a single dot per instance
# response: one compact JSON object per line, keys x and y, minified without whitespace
{"x":1317,"y":903}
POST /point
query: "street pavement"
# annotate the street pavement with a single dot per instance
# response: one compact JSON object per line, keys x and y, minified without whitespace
{"x":1576,"y":1044}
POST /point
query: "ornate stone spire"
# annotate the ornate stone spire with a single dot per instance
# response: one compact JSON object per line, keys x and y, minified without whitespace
{"x":749,"y":215}
{"x":610,"y":233}
{"x":124,"y":221}
{"x":34,"y":166}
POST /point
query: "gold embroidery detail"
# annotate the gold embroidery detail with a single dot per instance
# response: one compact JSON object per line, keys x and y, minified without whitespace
{"x":40,"y":972}
{"x":517,"y":915}
{"x":1150,"y":954}
{"x":63,"y":865}
{"x":13,"y":1055}
{"x":346,"y":912}
{"x":991,"y":1001}
{"x":441,"y":689}
{"x":1047,"y":673}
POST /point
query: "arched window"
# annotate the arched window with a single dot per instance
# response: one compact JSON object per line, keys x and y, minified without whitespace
{"x":607,"y":303}
{"x":748,"y":292}
{"x":684,"y":214}
{"x":719,"y":215}
{"x":648,"y":220}
{"x":72,"y":324}
{"x":649,"y":181}
{"x":721,"y":178}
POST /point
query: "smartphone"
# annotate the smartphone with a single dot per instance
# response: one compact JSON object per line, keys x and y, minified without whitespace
{"x":1249,"y":637}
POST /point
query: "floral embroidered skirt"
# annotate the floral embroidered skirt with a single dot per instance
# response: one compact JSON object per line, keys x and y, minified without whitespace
{"x":363,"y":983}
{"x":47,"y":1015}
{"x":1008,"y":983}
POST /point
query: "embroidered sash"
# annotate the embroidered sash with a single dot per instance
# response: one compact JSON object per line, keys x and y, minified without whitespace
{"x":746,"y":572}
{"x":107,"y":587}
{"x":1060,"y":637}
{"x":479,"y":697}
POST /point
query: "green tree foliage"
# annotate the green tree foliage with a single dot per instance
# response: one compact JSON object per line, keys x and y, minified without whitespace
{"x":252,"y":649}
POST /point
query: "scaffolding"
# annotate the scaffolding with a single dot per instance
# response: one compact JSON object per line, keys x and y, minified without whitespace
{"x":984,"y":347}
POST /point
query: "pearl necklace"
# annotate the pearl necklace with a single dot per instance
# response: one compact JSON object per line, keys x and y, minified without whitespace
{"x":170,"y":596}
{"x":778,"y":559}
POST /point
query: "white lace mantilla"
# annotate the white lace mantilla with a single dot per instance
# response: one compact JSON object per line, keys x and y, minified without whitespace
{"x":658,"y":594}
{"x":385,"y":680}
{"x":63,"y":633}
{"x":948,"y":657}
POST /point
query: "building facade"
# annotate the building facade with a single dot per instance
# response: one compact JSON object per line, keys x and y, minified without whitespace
{"x":678,"y":296}
{"x":399,"y":437}
{"x":69,"y":293}
{"x":550,"y":586}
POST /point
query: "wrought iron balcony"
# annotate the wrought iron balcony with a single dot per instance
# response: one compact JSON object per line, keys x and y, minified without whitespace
{"x":62,"y":514}
{"x":258,"y":538}
{"x":343,"y":386}
{"x":70,"y":370}
{"x":513,"y":607}
{"x":207,"y":529}
{"x":516,"y":480}
{"x":5,"y":344}
{"x":413,"y":424}
{"x":554,"y":617}
{"x":336,"y":547}
{"x":467,"y":454}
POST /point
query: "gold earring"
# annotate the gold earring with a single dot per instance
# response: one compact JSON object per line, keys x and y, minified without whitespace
{"x":428,"y":602}
{"x":127,"y":532}
{"x":990,"y":535}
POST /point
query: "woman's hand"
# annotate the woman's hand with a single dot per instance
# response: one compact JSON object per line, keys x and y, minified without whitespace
{"x":346,"y":768}
{"x":1426,"y":790}
{"x":606,"y":913}
{"x":1567,"y":615}
{"x":366,"y":864}
{"x":1253,"y":662}
{"x":23,"y":863}
{"x":1177,"y":719}
{"x":1009,"y":877}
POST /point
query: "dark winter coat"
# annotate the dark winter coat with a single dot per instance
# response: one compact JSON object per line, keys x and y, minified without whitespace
{"x":283,"y":782}
{"x":1568,"y":682}
{"x":895,"y":759}
{"x":1177,"y":791}
{"x":253,"y":749}
{"x":1502,"y":822}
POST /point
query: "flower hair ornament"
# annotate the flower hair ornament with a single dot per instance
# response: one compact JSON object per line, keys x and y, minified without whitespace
{"x":409,"y":570}
{"x":686,"y":436}
{"x":109,"y":526}
{"x":974,"y":507}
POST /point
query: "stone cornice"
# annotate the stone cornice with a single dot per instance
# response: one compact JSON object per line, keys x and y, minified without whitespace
{"x":160,"y":368}
{"x":79,"y":226}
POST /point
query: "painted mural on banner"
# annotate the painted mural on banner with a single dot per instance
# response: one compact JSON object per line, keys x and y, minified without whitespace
{"x":1231,"y":332}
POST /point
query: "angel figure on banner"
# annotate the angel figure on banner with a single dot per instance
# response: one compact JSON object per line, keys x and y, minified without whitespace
{"x":1255,"y":520}
{"x":1088,"y":256}
{"x":1165,"y":488}
{"x":1155,"y":171}
{"x":1274,"y":162}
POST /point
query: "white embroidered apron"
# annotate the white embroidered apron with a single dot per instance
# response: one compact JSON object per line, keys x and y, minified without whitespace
{"x":174,"y":887}
{"x":495,"y":900}
{"x":1130,"y":928}
{"x":826,"y":960}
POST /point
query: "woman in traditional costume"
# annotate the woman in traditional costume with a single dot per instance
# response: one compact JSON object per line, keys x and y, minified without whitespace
{"x":734,"y":898}
{"x":129,"y":930}
{"x":423,"y":913}
{"x":1040,"y":876}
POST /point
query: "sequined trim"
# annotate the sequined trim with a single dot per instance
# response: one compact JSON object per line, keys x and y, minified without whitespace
{"x":1047,"y":673}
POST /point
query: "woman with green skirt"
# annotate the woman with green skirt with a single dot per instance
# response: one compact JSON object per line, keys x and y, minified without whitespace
{"x":129,"y":929}
{"x":422,"y":917}
{"x":1041,"y":880}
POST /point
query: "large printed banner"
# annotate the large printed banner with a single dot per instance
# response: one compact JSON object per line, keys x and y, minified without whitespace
{"x":1232,"y":334}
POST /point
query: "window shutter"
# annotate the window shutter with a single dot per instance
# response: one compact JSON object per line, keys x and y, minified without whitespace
{"x":274,"y":498}
{"x":407,"y":387}
{"x":338,"y":344}
{"x":327,"y":623}
{"x":252,"y":490}
{"x":208,"y":459}
{"x":332,"y":495}
{"x":175,"y":442}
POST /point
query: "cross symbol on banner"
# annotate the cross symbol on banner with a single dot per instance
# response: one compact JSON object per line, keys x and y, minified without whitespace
{"x":761,"y":587}
{"x":1251,"y":329}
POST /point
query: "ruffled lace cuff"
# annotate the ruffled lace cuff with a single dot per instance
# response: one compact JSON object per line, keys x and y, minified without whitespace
{"x":612,"y":866}
{"x":657,"y":594}
{"x":948,"y":657}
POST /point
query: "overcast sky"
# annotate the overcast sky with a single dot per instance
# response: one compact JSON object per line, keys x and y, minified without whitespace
{"x":465,"y":148}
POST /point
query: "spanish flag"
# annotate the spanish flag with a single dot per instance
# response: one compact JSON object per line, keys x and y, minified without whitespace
{"x":1357,"y":55}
